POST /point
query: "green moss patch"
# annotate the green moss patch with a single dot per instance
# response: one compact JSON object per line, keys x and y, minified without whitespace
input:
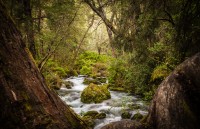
{"x":95,"y":93}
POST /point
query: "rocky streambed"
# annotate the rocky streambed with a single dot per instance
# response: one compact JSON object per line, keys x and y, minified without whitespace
{"x":120,"y":105}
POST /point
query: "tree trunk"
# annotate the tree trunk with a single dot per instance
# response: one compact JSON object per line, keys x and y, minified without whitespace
{"x":25,"y":100}
{"x":29,"y":27}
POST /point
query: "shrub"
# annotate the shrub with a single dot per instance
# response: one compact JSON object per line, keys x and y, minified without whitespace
{"x":85,"y":70}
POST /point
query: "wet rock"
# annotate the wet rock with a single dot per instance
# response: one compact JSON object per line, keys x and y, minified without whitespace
{"x":176,"y":103}
{"x":124,"y":124}
{"x":87,"y":81}
{"x":137,"y":117}
{"x":100,"y":116}
{"x":91,"y":114}
{"x":95,"y":93}
{"x":134,"y":106}
{"x":126,"y":115}
{"x":89,"y":121}
{"x":68,"y":84}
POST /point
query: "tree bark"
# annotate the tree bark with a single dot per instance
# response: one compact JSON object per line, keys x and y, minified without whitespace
{"x":101,"y":14}
{"x":25,"y":100}
{"x":29,"y":27}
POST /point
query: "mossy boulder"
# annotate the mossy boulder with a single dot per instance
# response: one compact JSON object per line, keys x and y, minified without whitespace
{"x":137,"y":116}
{"x":95,"y":93}
{"x":68,"y":84}
{"x":100,"y":116}
{"x":89,"y":121}
{"x":134,"y":106}
{"x":91,"y":114}
{"x":126,"y":115}
{"x":95,"y":115}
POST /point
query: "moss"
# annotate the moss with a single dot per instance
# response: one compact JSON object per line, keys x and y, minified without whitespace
{"x":68,"y":84}
{"x":117,"y":89}
{"x":101,"y":79}
{"x":134,"y":106}
{"x":100,"y":116}
{"x":27,"y":107}
{"x":91,"y":113}
{"x":85,"y":70}
{"x":60,"y":71}
{"x":137,"y":116}
{"x":189,"y":114}
{"x":30,"y":55}
{"x":87,"y":81}
{"x":95,"y":93}
{"x":94,"y":115}
{"x":75,"y":121}
{"x":90,"y":116}
{"x":99,"y":70}
{"x":89,"y":121}
{"x":126,"y":115}
{"x":160,"y":72}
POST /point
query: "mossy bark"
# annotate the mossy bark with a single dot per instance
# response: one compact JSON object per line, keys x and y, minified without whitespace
{"x":26,"y":102}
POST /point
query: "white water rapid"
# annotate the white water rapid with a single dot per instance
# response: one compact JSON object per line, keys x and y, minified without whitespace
{"x":113,"y":107}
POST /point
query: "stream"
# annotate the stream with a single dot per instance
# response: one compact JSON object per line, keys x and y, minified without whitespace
{"x":113,"y":107}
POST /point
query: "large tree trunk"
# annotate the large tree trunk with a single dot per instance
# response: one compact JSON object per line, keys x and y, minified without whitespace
{"x":25,"y":100}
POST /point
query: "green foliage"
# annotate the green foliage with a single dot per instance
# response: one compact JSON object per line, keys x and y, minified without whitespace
{"x":91,"y":63}
{"x":160,"y":72}
{"x":141,"y":75}
{"x":148,"y":95}
{"x":54,"y":74}
{"x":117,"y":73}
{"x":85,"y":70}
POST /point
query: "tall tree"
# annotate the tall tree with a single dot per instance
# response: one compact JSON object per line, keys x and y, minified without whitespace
{"x":29,"y":26}
{"x":26,"y":101}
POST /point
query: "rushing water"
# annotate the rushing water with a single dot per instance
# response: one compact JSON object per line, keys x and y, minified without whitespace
{"x":113,"y":107}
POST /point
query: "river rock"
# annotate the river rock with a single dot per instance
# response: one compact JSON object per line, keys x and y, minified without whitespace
{"x":91,"y":113}
{"x":124,"y":124}
{"x":68,"y":84}
{"x":100,"y":116}
{"x":137,"y":117}
{"x":87,"y":81}
{"x":176,"y":104}
{"x":89,"y":121}
{"x":126,"y":115}
{"x":95,"y":93}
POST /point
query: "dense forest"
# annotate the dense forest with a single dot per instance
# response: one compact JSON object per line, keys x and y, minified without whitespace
{"x":142,"y":52}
